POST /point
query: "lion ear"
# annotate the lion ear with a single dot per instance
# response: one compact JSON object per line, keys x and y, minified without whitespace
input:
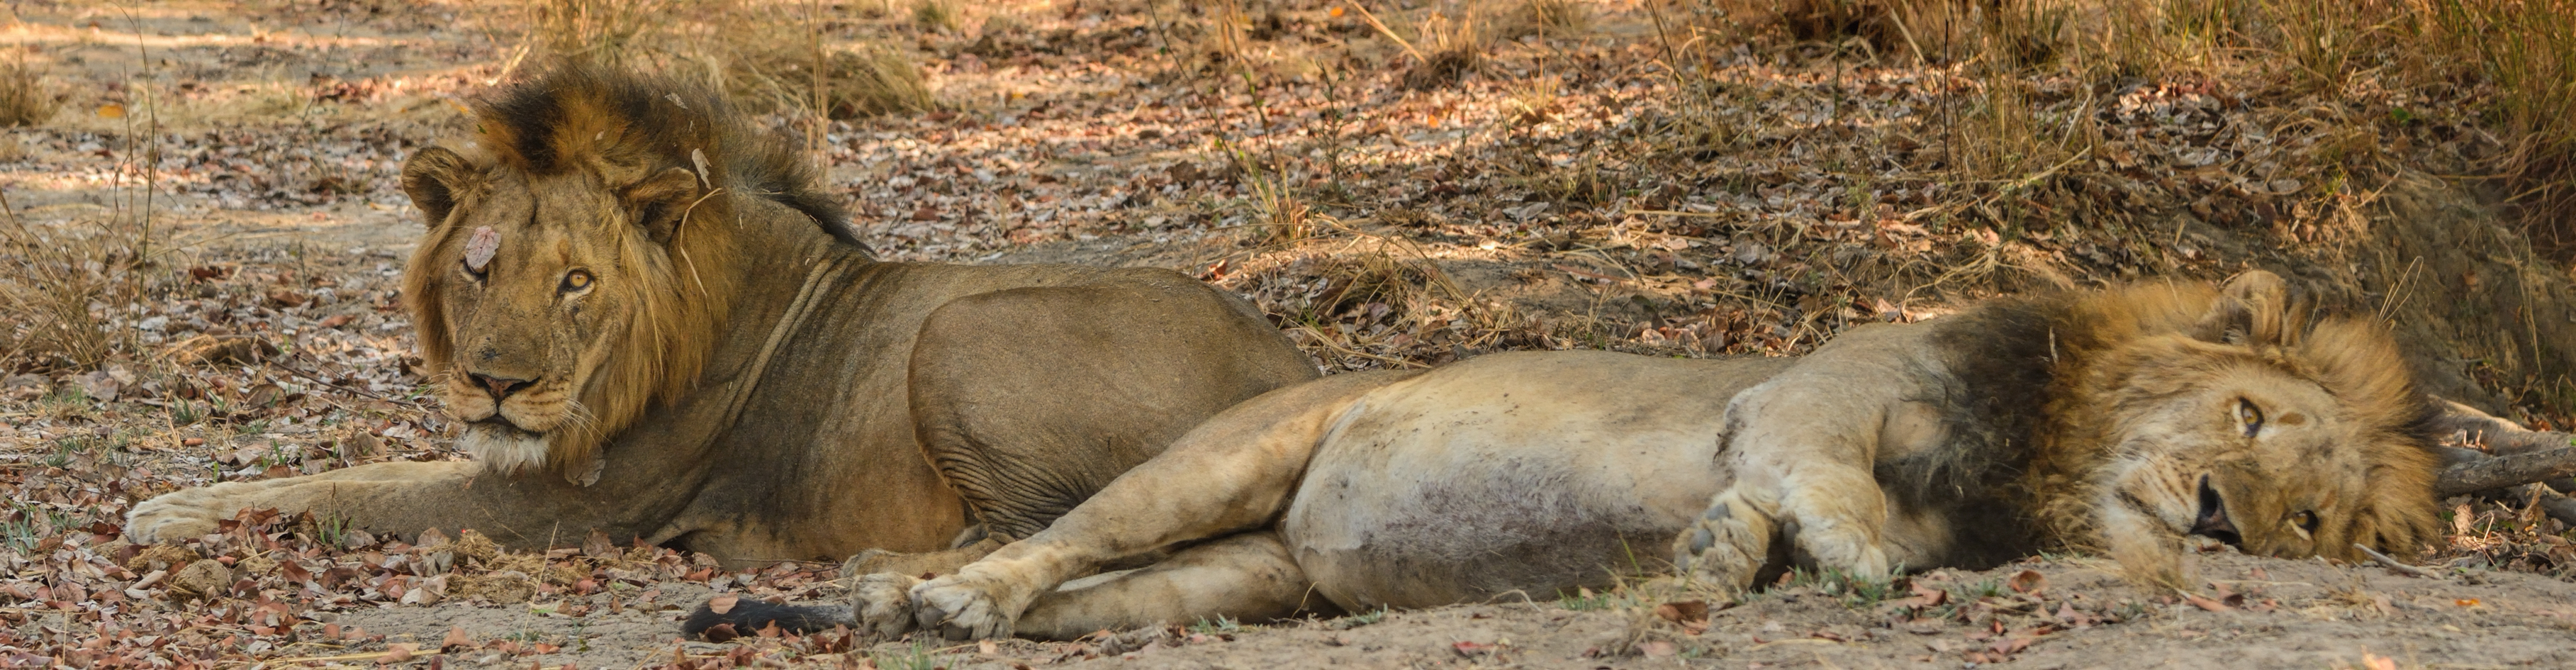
{"x":432,"y":178}
{"x":660,"y":202}
{"x":2254,"y":309}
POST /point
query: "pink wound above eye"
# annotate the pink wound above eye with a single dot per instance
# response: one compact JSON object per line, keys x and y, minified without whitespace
{"x":480,"y":247}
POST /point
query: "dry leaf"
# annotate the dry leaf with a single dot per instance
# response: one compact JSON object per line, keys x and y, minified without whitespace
{"x":598,"y":545}
{"x":2027,"y":581}
{"x":1691,"y":614}
{"x":722,"y":604}
{"x":457,"y":640}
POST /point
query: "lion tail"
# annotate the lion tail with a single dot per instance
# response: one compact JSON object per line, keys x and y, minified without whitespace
{"x":749,"y":617}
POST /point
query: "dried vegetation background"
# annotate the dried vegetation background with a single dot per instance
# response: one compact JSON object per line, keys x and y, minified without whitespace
{"x":200,"y":233}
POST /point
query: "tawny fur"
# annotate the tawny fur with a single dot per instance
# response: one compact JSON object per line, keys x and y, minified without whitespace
{"x":2118,"y":421}
{"x":678,"y":339}
{"x":2138,"y":341}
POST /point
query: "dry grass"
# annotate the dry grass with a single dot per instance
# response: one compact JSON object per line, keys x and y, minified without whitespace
{"x":1364,"y":301}
{"x":25,"y":99}
{"x":873,"y":81}
{"x":936,"y":16}
{"x":2527,"y":52}
{"x":1543,"y":18}
{"x":2510,"y":61}
{"x":1450,"y":49}
{"x":61,"y":286}
{"x":763,"y":53}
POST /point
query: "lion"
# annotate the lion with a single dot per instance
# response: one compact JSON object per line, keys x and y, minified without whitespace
{"x":2120,"y":421}
{"x":657,"y":324}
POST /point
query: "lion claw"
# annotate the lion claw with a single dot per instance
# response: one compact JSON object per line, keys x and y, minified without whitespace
{"x":882,"y":604}
{"x":959,"y":610}
{"x":1724,"y":547}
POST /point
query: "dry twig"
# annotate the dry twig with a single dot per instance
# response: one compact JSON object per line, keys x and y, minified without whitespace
{"x":2393,"y":564}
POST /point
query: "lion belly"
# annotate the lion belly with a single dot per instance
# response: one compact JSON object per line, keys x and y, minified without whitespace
{"x":1535,"y":472}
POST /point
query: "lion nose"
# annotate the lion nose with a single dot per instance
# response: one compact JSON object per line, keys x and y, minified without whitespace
{"x":2212,"y":521}
{"x":501,"y":387}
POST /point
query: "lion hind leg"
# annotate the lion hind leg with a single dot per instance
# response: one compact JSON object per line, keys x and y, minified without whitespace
{"x":1029,"y":400}
{"x":1249,"y":578}
{"x":877,"y":561}
{"x":1234,"y":473}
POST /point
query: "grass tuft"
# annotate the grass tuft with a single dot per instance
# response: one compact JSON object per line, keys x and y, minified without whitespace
{"x":25,"y":100}
{"x":935,"y":16}
{"x":873,"y":81}
{"x":1543,"y":18}
{"x":1453,"y":49}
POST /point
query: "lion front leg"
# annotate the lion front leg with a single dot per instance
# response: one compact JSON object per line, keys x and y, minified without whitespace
{"x":357,"y":495}
{"x":399,"y":498}
{"x":1809,"y":482}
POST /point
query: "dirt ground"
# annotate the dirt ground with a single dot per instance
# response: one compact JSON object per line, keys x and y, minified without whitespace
{"x":216,"y":195}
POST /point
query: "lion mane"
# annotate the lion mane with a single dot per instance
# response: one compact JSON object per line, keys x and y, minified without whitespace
{"x":2119,"y":348}
{"x":623,"y":128}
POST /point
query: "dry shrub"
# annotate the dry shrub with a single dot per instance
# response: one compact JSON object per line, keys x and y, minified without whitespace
{"x":25,"y":100}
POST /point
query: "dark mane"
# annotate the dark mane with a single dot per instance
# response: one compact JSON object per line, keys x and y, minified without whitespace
{"x":654,"y":124}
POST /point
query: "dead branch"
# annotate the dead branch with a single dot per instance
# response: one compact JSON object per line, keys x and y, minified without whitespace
{"x":2503,"y":471}
{"x":2520,"y":455}
{"x":2500,"y":436}
{"x":2549,"y":501}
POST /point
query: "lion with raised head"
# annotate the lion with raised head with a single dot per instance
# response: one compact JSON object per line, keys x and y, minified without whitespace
{"x":2120,"y":421}
{"x":656,"y":323}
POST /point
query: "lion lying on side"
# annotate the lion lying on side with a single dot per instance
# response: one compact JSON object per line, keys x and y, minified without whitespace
{"x":656,"y":322}
{"x":2120,"y":420}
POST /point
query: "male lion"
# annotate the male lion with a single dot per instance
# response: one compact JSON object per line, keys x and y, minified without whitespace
{"x":657,"y":324}
{"x":2122,"y":420}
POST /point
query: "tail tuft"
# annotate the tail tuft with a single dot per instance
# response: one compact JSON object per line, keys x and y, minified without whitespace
{"x":748,"y":617}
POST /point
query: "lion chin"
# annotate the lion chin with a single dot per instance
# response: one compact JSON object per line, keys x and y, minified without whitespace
{"x":503,"y":449}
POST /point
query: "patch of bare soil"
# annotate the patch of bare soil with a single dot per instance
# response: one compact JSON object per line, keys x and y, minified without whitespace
{"x":2043,"y":613}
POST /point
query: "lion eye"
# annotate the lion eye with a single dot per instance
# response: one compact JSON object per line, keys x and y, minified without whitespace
{"x":2305,"y":520}
{"x":2249,"y":416}
{"x":576,"y":280}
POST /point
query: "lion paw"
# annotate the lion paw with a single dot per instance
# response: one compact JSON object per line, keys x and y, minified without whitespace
{"x":882,"y":603}
{"x":961,"y":608}
{"x":182,"y":514}
{"x":1724,"y":547}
